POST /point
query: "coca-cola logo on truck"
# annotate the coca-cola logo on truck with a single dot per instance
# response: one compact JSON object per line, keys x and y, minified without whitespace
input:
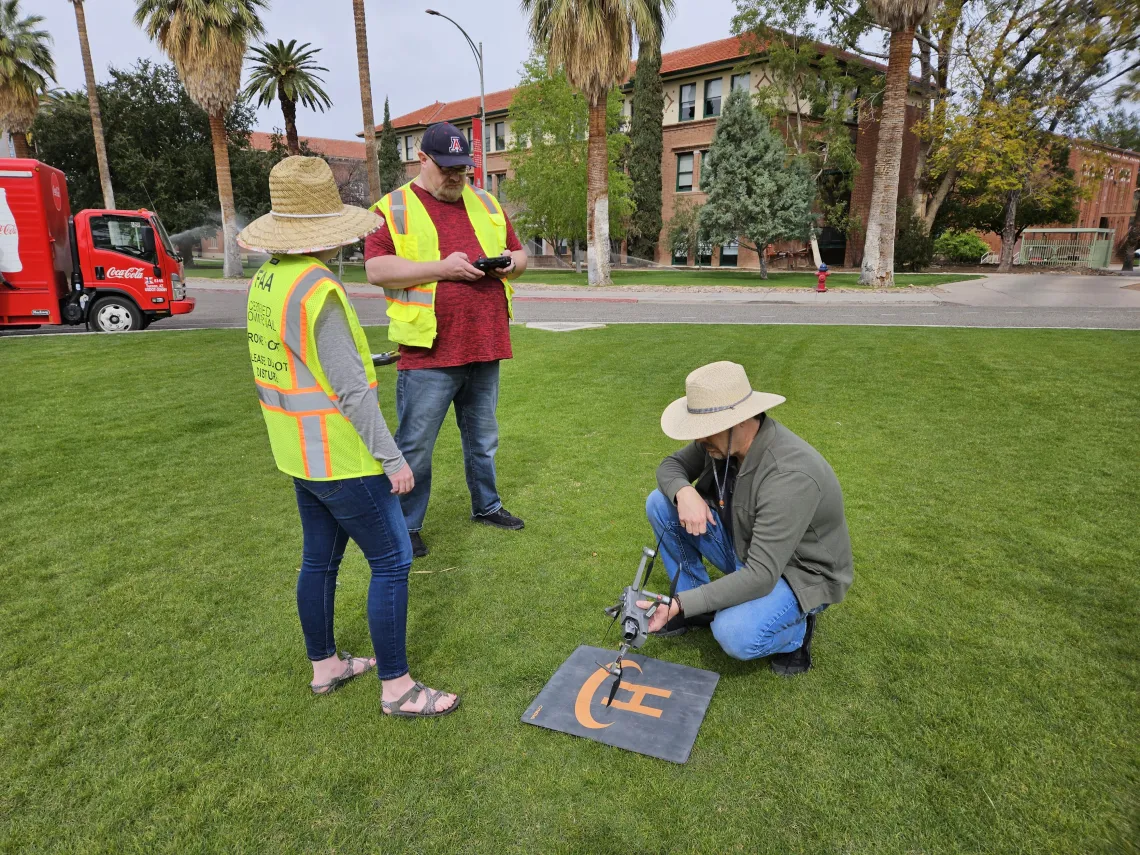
{"x":124,"y":273}
{"x":9,"y":229}
{"x":56,"y":193}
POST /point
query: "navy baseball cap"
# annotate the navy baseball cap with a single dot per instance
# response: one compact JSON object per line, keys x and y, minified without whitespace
{"x":446,"y":145}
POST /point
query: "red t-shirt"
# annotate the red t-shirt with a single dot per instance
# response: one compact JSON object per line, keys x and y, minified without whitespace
{"x":471,"y":317}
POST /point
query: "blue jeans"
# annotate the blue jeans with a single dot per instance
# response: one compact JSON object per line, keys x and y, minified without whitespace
{"x":771,"y":624}
{"x":422,"y":398}
{"x":366,"y":510}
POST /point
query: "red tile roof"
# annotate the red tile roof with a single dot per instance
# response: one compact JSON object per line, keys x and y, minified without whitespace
{"x":709,"y":53}
{"x":350,"y":149}
{"x":734,"y":47}
{"x":451,"y":111}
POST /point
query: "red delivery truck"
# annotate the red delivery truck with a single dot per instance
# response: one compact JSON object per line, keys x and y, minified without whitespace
{"x":113,"y":270}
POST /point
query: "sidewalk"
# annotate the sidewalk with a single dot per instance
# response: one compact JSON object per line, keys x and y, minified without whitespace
{"x":996,"y":290}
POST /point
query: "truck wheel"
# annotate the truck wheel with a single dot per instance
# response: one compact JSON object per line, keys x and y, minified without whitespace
{"x":114,"y":314}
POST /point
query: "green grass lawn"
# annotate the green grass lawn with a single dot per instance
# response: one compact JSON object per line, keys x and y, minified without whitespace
{"x":977,"y":691}
{"x":777,"y":279}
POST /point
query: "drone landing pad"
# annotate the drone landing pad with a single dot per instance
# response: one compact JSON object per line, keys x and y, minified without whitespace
{"x":657,"y":710}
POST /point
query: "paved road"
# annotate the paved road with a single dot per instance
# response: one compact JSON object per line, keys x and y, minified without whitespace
{"x":1085,"y":302}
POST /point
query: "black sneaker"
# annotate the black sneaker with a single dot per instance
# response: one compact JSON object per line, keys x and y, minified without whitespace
{"x":501,"y":518}
{"x":798,"y":661}
{"x":419,"y":548}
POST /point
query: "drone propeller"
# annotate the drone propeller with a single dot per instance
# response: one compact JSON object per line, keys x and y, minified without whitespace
{"x":617,"y":683}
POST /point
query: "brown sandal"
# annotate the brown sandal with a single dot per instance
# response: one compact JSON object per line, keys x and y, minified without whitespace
{"x":428,"y":711}
{"x":336,"y":682}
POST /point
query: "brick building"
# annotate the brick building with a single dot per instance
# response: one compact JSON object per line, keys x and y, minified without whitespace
{"x":696,"y":81}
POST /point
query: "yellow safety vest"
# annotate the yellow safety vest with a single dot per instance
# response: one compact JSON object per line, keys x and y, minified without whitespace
{"x":411,"y":311}
{"x":309,"y":436}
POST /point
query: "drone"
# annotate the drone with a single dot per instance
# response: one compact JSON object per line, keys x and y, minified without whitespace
{"x":634,"y":620}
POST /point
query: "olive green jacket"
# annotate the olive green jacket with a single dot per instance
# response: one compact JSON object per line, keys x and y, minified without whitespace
{"x":787,"y":520}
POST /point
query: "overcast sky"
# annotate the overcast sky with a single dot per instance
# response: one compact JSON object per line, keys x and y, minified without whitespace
{"x":415,"y":59}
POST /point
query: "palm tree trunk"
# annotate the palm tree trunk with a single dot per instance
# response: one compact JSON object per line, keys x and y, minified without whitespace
{"x":289,"y":111}
{"x":231,"y":261}
{"x":366,"y":101}
{"x":1009,"y":232}
{"x":598,"y":196}
{"x":93,"y":104}
{"x":879,"y":247}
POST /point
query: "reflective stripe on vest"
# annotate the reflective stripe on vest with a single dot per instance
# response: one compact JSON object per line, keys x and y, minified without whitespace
{"x":297,"y":402}
{"x":485,"y":198}
{"x":399,"y":208}
{"x":410,"y":296}
{"x":315,"y":446}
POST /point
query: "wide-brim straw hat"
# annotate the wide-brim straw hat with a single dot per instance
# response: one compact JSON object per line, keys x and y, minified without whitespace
{"x":308,"y":214}
{"x":717,"y":396}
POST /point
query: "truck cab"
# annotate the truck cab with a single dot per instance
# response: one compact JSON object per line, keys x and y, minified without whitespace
{"x":116,"y":271}
{"x":130,"y":271}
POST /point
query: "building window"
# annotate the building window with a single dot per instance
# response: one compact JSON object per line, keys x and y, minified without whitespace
{"x":704,"y":255}
{"x":741,"y":81}
{"x":495,"y":184}
{"x":500,"y":136}
{"x":701,"y":177}
{"x":680,"y":255}
{"x":684,"y":172}
{"x":409,"y":148}
{"x":728,"y":254}
{"x":688,"y":102}
{"x":469,"y":129}
{"x":712,"y":97}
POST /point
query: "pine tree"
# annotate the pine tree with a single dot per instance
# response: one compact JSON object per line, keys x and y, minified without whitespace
{"x":754,"y":192}
{"x":392,"y":172}
{"x":645,"y":151}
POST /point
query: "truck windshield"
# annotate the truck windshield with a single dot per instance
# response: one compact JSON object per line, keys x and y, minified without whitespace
{"x":124,"y":235}
{"x":161,"y":229}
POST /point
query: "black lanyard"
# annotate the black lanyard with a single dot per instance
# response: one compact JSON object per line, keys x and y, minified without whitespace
{"x":722,"y":488}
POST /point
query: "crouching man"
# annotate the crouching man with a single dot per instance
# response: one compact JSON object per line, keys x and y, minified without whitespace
{"x":766,"y":509}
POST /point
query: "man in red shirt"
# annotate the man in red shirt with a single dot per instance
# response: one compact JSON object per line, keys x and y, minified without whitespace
{"x":468,"y":308}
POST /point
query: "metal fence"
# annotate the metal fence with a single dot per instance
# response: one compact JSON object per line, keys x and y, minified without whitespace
{"x":1067,"y":247}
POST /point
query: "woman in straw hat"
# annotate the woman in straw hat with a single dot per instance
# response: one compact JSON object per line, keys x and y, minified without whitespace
{"x":316,"y":383}
{"x":766,"y":509}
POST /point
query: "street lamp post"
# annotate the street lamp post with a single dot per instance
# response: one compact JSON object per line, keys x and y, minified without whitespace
{"x":478,"y":51}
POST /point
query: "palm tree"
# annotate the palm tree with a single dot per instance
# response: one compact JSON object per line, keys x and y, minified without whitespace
{"x":206,"y":40}
{"x":93,"y":105}
{"x":288,"y":73}
{"x":366,"y":101}
{"x":900,"y":17}
{"x":25,"y":68}
{"x":591,"y":41}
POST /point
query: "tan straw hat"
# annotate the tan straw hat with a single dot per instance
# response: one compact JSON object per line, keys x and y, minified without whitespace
{"x":307,"y":215}
{"x":718,"y":396}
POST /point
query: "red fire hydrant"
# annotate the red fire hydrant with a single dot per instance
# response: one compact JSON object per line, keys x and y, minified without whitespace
{"x":821,"y":279}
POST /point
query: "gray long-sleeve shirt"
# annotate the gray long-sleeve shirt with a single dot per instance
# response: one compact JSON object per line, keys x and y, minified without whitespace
{"x":787,"y":520}
{"x":356,"y":400}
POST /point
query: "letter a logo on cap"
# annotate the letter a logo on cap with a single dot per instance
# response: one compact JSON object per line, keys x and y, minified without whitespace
{"x":456,"y":146}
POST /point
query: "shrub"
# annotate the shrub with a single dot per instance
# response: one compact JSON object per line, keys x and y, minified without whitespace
{"x":913,"y":246}
{"x":960,"y":246}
